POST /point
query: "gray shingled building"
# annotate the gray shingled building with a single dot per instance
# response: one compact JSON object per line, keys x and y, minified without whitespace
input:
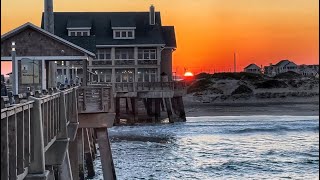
{"x":129,"y":46}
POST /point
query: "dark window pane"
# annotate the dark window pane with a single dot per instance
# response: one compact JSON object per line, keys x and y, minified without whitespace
{"x":72,"y":33}
{"x":117,"y":34}
{"x":129,"y":33}
{"x":123,"y":34}
{"x":78,"y":33}
{"x":108,"y":56}
{"x":85,"y":33}
{"x":101,"y":56}
{"x":146,"y":55}
{"x":153,"y":56}
{"x":140,"y":55}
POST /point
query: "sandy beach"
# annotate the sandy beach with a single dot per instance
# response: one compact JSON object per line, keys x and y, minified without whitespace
{"x":291,"y":107}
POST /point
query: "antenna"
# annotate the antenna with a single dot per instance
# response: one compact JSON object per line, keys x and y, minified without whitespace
{"x":234,"y":61}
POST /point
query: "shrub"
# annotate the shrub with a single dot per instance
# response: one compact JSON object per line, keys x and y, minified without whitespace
{"x":288,"y":75}
{"x":271,"y":84}
{"x":242,"y":89}
{"x":199,"y":85}
{"x":238,"y":76}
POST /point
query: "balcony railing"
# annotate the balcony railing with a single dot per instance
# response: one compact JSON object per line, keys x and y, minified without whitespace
{"x":149,"y":86}
{"x":124,"y":62}
{"x":30,"y":127}
{"x":147,"y":62}
{"x":101,"y":62}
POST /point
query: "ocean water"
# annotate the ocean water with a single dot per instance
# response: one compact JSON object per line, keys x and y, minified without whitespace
{"x":229,"y":147}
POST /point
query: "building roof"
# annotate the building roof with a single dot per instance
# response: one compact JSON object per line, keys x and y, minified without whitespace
{"x":169,"y":36}
{"x":102,"y":23}
{"x":46,"y":33}
{"x":284,"y":63}
{"x":252,"y":66}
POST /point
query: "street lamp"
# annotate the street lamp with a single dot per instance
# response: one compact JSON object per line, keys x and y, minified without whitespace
{"x":14,"y":68}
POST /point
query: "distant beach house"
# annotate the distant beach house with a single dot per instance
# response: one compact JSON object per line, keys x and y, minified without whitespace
{"x":129,"y":46}
{"x":252,"y":68}
{"x":309,"y":70}
{"x":281,"y":67}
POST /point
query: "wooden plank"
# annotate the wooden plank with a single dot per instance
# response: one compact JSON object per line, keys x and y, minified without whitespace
{"x":12,"y":132}
{"x":4,"y":149}
{"x":20,"y":142}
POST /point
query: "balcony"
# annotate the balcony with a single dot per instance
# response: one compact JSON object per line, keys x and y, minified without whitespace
{"x":101,"y":62}
{"x":124,"y":62}
{"x":147,"y":62}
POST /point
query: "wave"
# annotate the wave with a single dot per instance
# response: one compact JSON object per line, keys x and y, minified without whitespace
{"x":273,"y":129}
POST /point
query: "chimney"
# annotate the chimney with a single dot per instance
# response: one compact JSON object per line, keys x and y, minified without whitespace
{"x":152,"y":16}
{"x":48,"y":16}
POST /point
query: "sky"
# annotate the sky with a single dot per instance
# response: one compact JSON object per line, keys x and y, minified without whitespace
{"x":208,"y":32}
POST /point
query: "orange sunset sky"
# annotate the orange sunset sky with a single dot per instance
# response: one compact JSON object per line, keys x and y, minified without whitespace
{"x":207,"y":31}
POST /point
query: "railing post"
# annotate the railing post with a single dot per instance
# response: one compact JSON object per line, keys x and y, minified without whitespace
{"x":37,"y":165}
{"x":62,"y":117}
{"x":74,"y":106}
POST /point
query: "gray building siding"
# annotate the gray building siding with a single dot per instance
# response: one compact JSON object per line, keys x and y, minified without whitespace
{"x":166,"y":62}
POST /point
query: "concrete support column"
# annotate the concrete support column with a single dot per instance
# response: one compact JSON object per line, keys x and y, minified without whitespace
{"x":169,"y":109}
{"x":80,"y":153}
{"x":117,"y":108}
{"x":88,"y":154}
{"x":73,"y":147}
{"x":65,"y":169}
{"x":105,"y":154}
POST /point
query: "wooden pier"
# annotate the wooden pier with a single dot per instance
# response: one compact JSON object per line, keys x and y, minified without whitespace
{"x":154,"y":97}
{"x":44,"y":137}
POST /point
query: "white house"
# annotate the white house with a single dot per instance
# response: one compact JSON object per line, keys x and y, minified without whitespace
{"x":308,"y":70}
{"x":252,"y":68}
{"x":281,"y":67}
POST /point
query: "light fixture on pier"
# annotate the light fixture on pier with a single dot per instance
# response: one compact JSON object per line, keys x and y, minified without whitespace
{"x":62,"y":63}
{"x":55,"y":62}
{"x":13,"y":46}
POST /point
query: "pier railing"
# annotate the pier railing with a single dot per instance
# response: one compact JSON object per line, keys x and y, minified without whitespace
{"x":30,"y":127}
{"x":94,"y":99}
{"x":149,"y":86}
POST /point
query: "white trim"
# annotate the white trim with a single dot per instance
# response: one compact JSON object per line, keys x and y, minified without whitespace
{"x":79,"y":28}
{"x":46,"y":58}
{"x":120,"y":28}
{"x":46,"y":33}
{"x":131,"y":45}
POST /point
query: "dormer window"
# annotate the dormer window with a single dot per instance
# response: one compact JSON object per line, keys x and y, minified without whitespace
{"x":123,"y":34}
{"x":85,"y":31}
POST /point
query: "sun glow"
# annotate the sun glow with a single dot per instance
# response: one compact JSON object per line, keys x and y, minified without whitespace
{"x":188,"y":74}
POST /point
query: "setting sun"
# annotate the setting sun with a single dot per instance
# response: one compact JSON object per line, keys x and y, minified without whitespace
{"x":188,"y":74}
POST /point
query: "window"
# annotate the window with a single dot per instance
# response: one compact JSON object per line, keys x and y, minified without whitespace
{"x":125,"y":53}
{"x":103,"y":54}
{"x":123,"y":34}
{"x":147,"y":75}
{"x":79,"y":32}
{"x":117,"y":33}
{"x":147,"y":54}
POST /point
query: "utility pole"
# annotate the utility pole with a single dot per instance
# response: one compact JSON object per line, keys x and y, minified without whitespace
{"x":234,"y":59}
